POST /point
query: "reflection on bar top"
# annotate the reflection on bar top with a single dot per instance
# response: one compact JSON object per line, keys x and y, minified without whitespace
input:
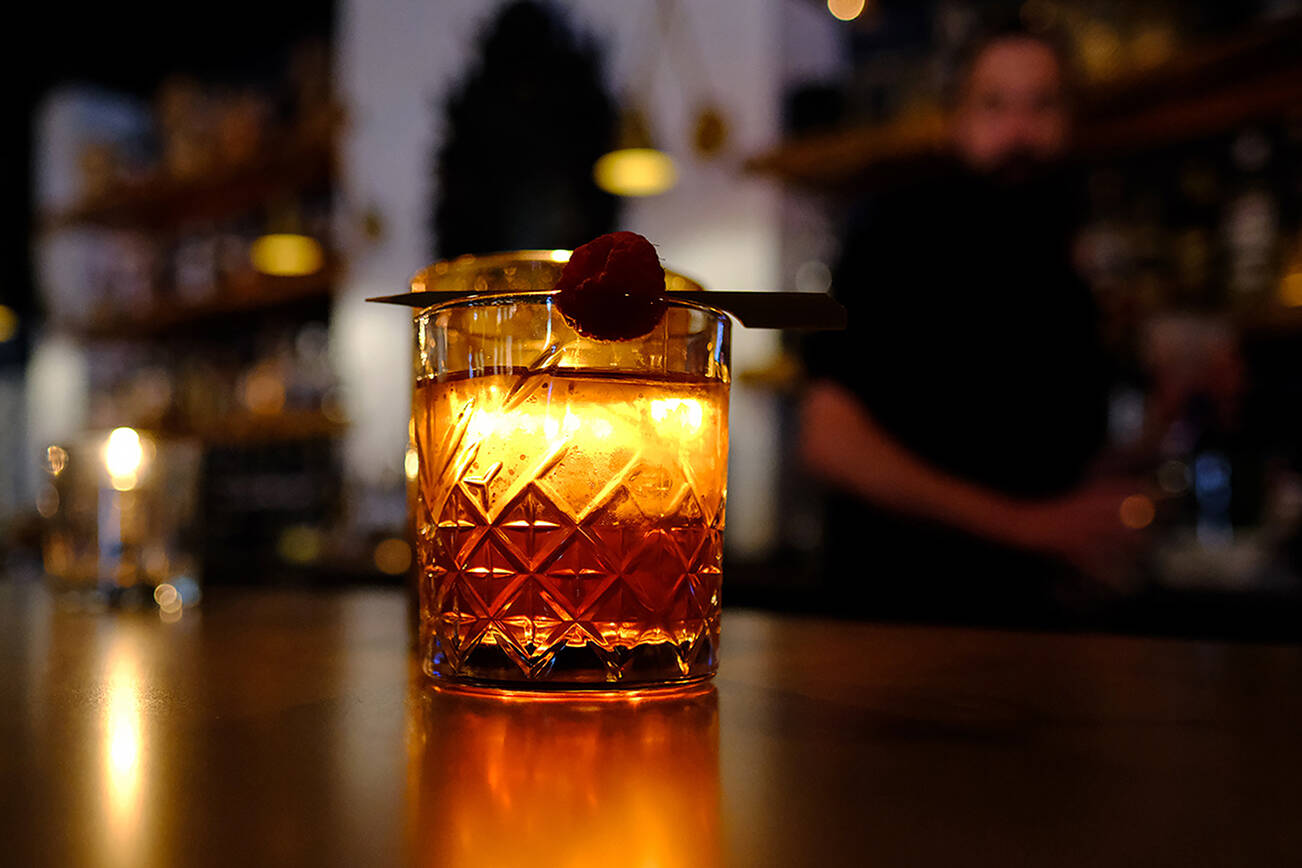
{"x":497,"y":779}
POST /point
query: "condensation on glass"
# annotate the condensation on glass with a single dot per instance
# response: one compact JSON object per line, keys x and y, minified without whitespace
{"x":570,"y":492}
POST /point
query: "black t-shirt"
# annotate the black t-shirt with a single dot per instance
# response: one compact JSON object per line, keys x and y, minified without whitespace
{"x":973,"y":342}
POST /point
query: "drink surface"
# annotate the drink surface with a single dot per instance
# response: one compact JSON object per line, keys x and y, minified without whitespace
{"x":570,"y":525}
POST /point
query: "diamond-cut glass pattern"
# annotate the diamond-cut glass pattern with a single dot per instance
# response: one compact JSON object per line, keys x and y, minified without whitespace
{"x":571,"y":524}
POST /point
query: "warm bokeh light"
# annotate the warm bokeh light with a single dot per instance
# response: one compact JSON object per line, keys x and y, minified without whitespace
{"x":123,"y":456}
{"x":56,"y":459}
{"x":168,"y":599}
{"x":573,"y":782}
{"x":635,"y":172}
{"x":300,"y":544}
{"x":264,"y":392}
{"x":561,"y":255}
{"x":287,"y":255}
{"x":1137,"y":511}
{"x":411,"y":463}
{"x":8,"y":323}
{"x":845,"y":10}
{"x":1153,"y":46}
{"x":1290,"y":289}
{"x":392,"y":556}
{"x":1100,"y":50}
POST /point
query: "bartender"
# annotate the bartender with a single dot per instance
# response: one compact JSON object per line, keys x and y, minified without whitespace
{"x":957,"y":420}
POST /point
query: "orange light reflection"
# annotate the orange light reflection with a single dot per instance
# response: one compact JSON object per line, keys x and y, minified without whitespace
{"x":594,"y":780}
{"x":123,"y":756}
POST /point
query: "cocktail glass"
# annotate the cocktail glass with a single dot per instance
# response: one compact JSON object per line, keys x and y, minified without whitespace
{"x":570,"y":507}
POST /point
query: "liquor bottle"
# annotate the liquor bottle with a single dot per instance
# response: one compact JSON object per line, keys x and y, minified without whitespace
{"x":1251,"y":223}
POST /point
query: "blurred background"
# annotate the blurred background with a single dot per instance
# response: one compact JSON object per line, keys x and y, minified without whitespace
{"x":193,"y":393}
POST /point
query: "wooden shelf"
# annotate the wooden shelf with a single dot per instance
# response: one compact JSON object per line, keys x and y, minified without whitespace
{"x":1197,"y":115}
{"x":860,"y":154}
{"x":1204,"y":91}
{"x":252,"y":428}
{"x":301,"y":160}
{"x":290,"y":425}
{"x":258,"y":295}
{"x":1272,"y":322}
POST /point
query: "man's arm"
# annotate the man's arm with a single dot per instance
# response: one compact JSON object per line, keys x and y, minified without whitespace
{"x":842,"y":444}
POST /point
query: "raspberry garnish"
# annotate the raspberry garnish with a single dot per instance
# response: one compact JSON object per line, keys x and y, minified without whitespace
{"x":613,"y":287}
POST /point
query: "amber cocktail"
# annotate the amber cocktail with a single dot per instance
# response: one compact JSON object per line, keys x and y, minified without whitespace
{"x":571,"y":492}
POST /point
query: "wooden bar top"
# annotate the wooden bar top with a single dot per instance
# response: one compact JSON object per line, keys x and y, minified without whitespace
{"x":291,"y":728}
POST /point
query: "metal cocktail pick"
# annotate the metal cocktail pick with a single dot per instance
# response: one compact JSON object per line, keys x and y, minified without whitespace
{"x":808,"y":311}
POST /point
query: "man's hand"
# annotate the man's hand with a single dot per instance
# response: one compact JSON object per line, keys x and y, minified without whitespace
{"x":843,"y":445}
{"x":1088,"y":528}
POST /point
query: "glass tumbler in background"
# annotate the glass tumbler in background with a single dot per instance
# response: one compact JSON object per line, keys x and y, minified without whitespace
{"x":571,"y":491}
{"x":119,"y":511}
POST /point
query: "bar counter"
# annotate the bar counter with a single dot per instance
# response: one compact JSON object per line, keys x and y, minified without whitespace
{"x":291,"y":728}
